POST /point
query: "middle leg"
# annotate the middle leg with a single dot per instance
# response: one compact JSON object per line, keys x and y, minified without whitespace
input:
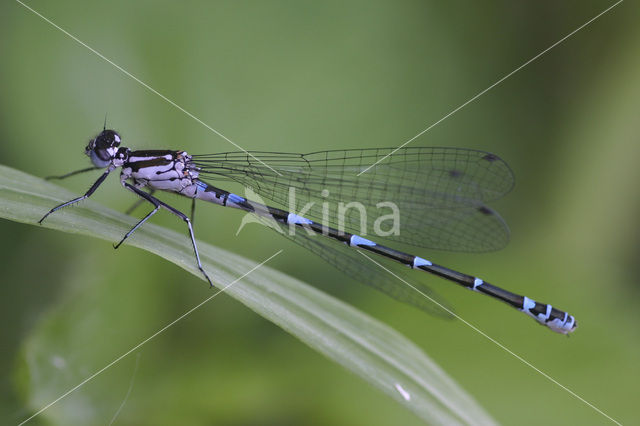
{"x":157,"y":204}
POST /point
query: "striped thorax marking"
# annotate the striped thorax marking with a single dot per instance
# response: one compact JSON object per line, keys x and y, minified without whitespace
{"x":163,"y":170}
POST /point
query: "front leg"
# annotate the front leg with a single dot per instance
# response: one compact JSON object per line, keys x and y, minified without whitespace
{"x":86,"y":195}
{"x":157,"y":204}
{"x":77,"y":172}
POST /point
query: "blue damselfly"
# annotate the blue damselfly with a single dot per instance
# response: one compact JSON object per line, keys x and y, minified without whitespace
{"x":438,"y":194}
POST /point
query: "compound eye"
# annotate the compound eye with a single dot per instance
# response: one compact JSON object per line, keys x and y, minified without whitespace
{"x":107,"y":139}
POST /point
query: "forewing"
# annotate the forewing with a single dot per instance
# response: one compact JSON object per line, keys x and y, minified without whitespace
{"x":440,"y":193}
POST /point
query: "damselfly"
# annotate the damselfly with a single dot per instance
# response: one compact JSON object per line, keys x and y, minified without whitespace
{"x":438,"y":194}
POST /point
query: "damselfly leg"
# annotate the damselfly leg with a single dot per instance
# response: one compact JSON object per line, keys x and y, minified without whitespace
{"x":138,"y":203}
{"x":157,"y":204}
{"x":77,"y":172}
{"x":86,"y":195}
{"x":90,"y":169}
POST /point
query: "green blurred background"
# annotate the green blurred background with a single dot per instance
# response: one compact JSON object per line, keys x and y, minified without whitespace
{"x":306,"y":76}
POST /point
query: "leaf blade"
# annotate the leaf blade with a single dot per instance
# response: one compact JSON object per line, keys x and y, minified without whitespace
{"x":359,"y":343}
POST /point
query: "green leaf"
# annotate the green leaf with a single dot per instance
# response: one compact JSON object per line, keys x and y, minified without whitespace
{"x":359,"y":343}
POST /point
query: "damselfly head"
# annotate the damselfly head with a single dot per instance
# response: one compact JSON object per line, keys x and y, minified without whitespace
{"x":103,"y":147}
